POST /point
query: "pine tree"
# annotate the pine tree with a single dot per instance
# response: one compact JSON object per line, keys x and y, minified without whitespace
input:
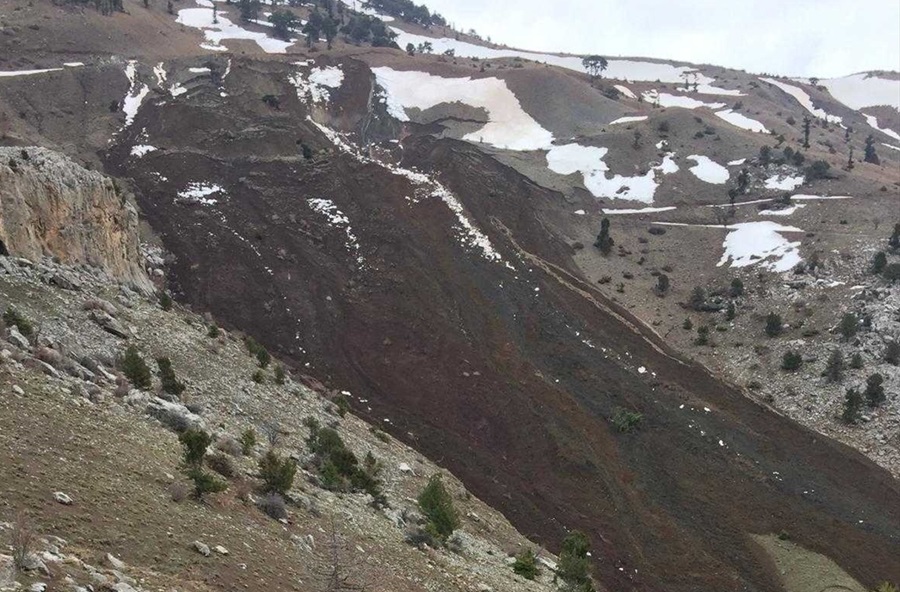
{"x":869,"y":154}
{"x":437,"y":505}
{"x":879,"y":262}
{"x":874,"y":392}
{"x":604,"y":242}
{"x":573,"y":567}
{"x":135,"y":369}
{"x":848,"y":325}
{"x":806,"y":123}
{"x":852,"y":406}
{"x":834,"y":368}
{"x":894,"y":241}
{"x":773,"y":324}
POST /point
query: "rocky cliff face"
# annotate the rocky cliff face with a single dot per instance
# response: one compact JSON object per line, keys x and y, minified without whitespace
{"x":51,"y":206}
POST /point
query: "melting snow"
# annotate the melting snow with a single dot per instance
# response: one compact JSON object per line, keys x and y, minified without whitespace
{"x":858,"y":91}
{"x":669,"y":100}
{"x":200,"y":192}
{"x":588,"y":160}
{"x":891,"y":146}
{"x":625,"y":91}
{"x":783,"y":211}
{"x":637,"y":211}
{"x":73,"y":64}
{"x":784,"y":182}
{"x":873,"y":121}
{"x":199,"y":70}
{"x":617,"y":69}
{"x":760,"y":242}
{"x":12,"y":73}
{"x":628,"y":119}
{"x":337,"y":219}
{"x":159,"y":71}
{"x":142,"y":149}
{"x":215,"y":33}
{"x":134,"y":98}
{"x":741,"y":121}
{"x":708,"y":170}
{"x":315,"y":86}
{"x":804,"y":100}
{"x":737,"y":162}
{"x":804,"y":197}
{"x":509,"y":126}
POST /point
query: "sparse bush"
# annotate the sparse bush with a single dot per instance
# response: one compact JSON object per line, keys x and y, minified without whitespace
{"x":791,"y":361}
{"x":886,"y":587}
{"x":730,"y":311}
{"x":248,"y":441}
{"x":277,"y":472}
{"x":817,"y":170}
{"x":848,"y":325}
{"x":170,"y":384}
{"x":419,"y":537}
{"x":687,"y":325}
{"x":343,"y":405}
{"x":892,"y":353}
{"x":852,"y":406}
{"x":229,"y":446}
{"x":280,"y":375}
{"x":737,"y":288}
{"x":604,"y":241}
{"x":702,"y":335}
{"x":194,"y":442}
{"x":23,"y":540}
{"x":525,"y":565}
{"x":662,"y":284}
{"x":891,"y":272}
{"x":698,"y":298}
{"x":213,"y":331}
{"x":879,"y":262}
{"x":874,"y":392}
{"x":774,"y":324}
{"x":13,"y":318}
{"x":272,"y":504}
{"x":204,"y":482}
{"x":258,"y":377}
{"x":834,"y":368}
{"x":165,"y":301}
{"x":179,"y":491}
{"x":626,"y":421}
{"x":574,"y":564}
{"x":437,"y":505}
{"x":135,"y":368}
{"x":222,"y":464}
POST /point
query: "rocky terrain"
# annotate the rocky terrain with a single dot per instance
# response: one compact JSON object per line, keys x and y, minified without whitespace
{"x":416,"y":230}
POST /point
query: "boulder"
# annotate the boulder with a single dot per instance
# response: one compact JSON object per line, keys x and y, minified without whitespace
{"x":114,"y":562}
{"x":108,"y":323}
{"x":173,"y":415}
{"x":17,"y":339}
{"x":201,"y":548}
{"x":63,"y":498}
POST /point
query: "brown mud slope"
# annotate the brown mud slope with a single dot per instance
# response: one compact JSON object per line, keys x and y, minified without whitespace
{"x":508,"y":377}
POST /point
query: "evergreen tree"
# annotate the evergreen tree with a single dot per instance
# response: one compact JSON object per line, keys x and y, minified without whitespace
{"x":277,"y":472}
{"x":170,"y":384}
{"x":730,"y":311}
{"x":773,"y":324}
{"x":834,"y":368}
{"x":574,"y":565}
{"x":874,"y":392}
{"x":806,"y":123}
{"x":604,"y":241}
{"x":135,"y":369}
{"x":526,"y":565}
{"x":848,"y":325}
{"x":594,"y":65}
{"x":313,"y":28}
{"x":765,"y":155}
{"x":662,"y":284}
{"x":894,"y":241}
{"x":737,"y":288}
{"x":879,"y":262}
{"x":869,"y":154}
{"x":283,"y":23}
{"x":437,"y":505}
{"x":698,"y":298}
{"x":852,"y":406}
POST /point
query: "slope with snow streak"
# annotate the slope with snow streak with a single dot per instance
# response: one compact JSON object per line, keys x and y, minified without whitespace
{"x":858,"y":91}
{"x":617,"y":69}
{"x":509,"y":126}
{"x":873,"y":122}
{"x":742,"y":121}
{"x":804,"y":100}
{"x":224,"y":29}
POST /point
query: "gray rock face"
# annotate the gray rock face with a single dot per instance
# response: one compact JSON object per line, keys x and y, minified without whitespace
{"x":50,"y":205}
{"x":173,"y":415}
{"x":108,"y":323}
{"x":17,"y":339}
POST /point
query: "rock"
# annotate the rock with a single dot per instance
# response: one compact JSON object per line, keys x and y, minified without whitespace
{"x":33,"y":563}
{"x":115,"y":562}
{"x":123,"y":587}
{"x":66,"y":281}
{"x":201,"y":548}
{"x":108,"y":323}
{"x":44,"y":367}
{"x":37,"y":587}
{"x":63,"y":498}
{"x":7,"y":571}
{"x":17,"y":339}
{"x":18,"y":390}
{"x":173,"y":415}
{"x":405,"y":468}
{"x":220,"y":550}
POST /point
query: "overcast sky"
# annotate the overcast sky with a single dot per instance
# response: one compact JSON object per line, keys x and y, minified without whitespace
{"x":821,"y":38}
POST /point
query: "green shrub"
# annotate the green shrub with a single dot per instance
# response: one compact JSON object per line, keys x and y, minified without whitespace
{"x":165,"y":301}
{"x":774,"y":324}
{"x":280,"y":375}
{"x":135,"y":368}
{"x":626,"y":421}
{"x":343,"y":405}
{"x":248,"y":441}
{"x":856,"y":362}
{"x":791,"y":361}
{"x":339,"y":469}
{"x":437,"y":505}
{"x":525,"y":565}
{"x":258,"y":377}
{"x":263,"y":357}
{"x":848,"y":325}
{"x":213,"y":331}
{"x":13,"y":317}
{"x":573,"y":567}
{"x":204,"y":482}
{"x":852,"y":406}
{"x":702,"y":335}
{"x":874,"y":392}
{"x":166,"y":375}
{"x":834,"y":368}
{"x":687,"y":325}
{"x":194,"y":442}
{"x":277,"y":472}
{"x":879,"y":262}
{"x":222,"y":464}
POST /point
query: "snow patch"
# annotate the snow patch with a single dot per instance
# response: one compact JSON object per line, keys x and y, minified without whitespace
{"x":637,"y":211}
{"x":338,"y":219}
{"x":142,"y":149}
{"x":12,"y":73}
{"x":749,"y":243}
{"x":628,"y":119}
{"x":509,"y":126}
{"x":784,"y":182}
{"x":858,"y":91}
{"x":737,"y":162}
{"x":199,"y":192}
{"x":625,"y":91}
{"x":669,"y":100}
{"x":873,"y":122}
{"x":804,"y":100}
{"x":215,"y":33}
{"x":708,"y":170}
{"x":742,"y":121}
{"x":134,"y":98}
{"x":783,"y":211}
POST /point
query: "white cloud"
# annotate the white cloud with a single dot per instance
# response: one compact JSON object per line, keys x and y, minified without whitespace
{"x":823,"y":38}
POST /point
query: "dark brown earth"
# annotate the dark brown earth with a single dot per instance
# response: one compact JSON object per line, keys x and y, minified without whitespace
{"x":483,"y":368}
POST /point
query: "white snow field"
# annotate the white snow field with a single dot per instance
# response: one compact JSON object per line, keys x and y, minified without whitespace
{"x":141,"y":149}
{"x":669,"y":100}
{"x":617,"y":69}
{"x":873,"y":121}
{"x":509,"y":126}
{"x":135,"y":96}
{"x":637,"y":211}
{"x":742,"y":121}
{"x":783,"y":211}
{"x":625,"y":91}
{"x":588,"y":160}
{"x":199,"y":192}
{"x":628,"y":119}
{"x":804,"y":100}
{"x":708,"y":170}
{"x":784,"y":182}
{"x":215,"y":33}
{"x":317,"y":84}
{"x":858,"y":91}
{"x":749,"y":243}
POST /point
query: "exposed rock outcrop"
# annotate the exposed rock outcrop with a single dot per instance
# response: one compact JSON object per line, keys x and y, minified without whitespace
{"x":51,"y":206}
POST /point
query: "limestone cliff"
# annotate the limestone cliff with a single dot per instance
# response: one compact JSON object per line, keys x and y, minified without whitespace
{"x":51,"y":206}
